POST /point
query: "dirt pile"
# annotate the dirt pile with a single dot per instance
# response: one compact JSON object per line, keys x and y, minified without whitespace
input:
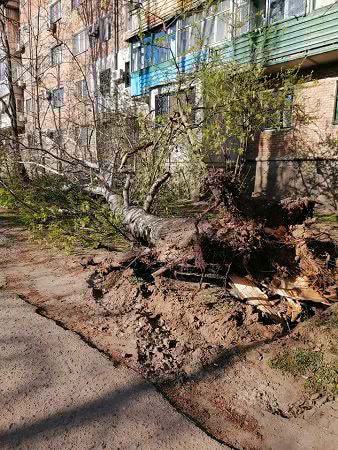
{"x":180,"y":328}
{"x":237,"y":281}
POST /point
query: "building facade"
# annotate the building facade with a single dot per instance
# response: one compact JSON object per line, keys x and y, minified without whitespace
{"x":72,"y":67}
{"x":276,"y":33}
{"x":11,"y":93}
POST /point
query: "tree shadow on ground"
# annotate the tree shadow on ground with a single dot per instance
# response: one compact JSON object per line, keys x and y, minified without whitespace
{"x":112,"y":407}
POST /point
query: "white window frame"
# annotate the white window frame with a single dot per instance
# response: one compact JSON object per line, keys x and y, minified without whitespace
{"x":56,"y":101}
{"x":138,"y":50}
{"x":82,"y":44}
{"x":82,"y":88}
{"x":52,"y":17}
{"x":315,"y":8}
{"x":56,"y":55}
{"x":198,"y":22}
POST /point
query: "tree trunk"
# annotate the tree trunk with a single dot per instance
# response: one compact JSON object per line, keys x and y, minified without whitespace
{"x":148,"y":228}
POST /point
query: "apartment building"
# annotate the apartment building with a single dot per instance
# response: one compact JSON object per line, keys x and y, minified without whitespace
{"x":11,"y":95}
{"x":73,"y":72}
{"x":276,"y":33}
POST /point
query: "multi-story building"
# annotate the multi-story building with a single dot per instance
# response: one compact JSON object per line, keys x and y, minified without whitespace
{"x":11,"y":91}
{"x":73,"y":69}
{"x":276,"y":33}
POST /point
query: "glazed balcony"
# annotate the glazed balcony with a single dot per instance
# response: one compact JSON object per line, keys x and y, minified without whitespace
{"x":308,"y":40}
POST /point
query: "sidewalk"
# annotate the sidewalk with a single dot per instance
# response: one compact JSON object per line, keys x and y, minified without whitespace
{"x":56,"y":392}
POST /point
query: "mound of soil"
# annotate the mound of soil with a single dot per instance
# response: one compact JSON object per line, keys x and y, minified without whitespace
{"x":221,"y":361}
{"x":181,"y":328}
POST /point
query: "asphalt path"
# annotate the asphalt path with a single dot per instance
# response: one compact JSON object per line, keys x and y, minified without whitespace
{"x":57,"y":392}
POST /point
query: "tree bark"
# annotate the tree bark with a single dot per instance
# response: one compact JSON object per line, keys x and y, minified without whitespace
{"x":148,"y":228}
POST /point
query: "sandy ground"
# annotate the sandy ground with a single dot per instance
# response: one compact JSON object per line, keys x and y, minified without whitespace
{"x":240,"y":399}
{"x":58,"y":392}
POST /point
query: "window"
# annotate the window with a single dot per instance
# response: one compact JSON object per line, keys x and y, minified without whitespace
{"x":207,"y":29}
{"x":105,"y":28}
{"x":56,"y":55}
{"x":282,"y":9}
{"x":81,"y":88}
{"x":80,"y":42}
{"x":243,"y":13}
{"x":29,"y":105}
{"x":58,"y":98}
{"x":162,"y":104}
{"x":163,"y":46}
{"x":127,"y":74}
{"x":335,"y":115}
{"x":83,"y":136}
{"x":279,"y":119}
{"x":105,"y":81}
{"x":137,"y":56}
{"x":55,"y":11}
{"x":167,"y":103}
{"x":321,"y":3}
{"x":184,"y":36}
{"x":222,"y":19}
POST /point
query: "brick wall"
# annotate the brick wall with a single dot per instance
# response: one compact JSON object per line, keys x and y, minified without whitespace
{"x":303,"y":159}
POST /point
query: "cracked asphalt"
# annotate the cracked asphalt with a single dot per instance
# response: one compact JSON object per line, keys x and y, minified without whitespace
{"x":57,"y":392}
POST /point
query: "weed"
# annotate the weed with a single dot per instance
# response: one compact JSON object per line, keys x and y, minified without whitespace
{"x":328,"y":320}
{"x":321,"y":374}
{"x":133,"y":279}
{"x":327,"y":218}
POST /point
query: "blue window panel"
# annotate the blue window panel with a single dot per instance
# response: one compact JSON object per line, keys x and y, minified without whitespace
{"x":147,"y":44}
{"x":159,"y":47}
{"x":163,"y":46}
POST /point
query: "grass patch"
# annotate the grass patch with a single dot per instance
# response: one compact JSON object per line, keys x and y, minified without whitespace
{"x":328,"y":320}
{"x":331,"y":218}
{"x":322,"y":376}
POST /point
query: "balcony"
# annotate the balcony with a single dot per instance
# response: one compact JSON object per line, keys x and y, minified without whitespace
{"x":309,"y":40}
{"x":313,"y":38}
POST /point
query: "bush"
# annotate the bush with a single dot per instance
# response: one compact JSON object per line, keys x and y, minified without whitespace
{"x":63,"y":213}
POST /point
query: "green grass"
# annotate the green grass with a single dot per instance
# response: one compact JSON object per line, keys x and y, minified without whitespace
{"x":322,"y":376}
{"x":328,"y":320}
{"x":327,"y":218}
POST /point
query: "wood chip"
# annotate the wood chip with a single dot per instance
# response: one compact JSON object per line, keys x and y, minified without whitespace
{"x":246,"y":289}
{"x":298,"y":289}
